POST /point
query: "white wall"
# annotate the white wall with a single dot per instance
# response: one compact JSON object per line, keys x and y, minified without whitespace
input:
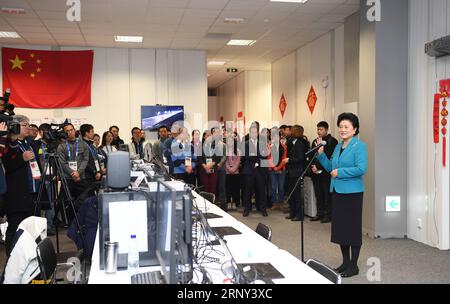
{"x":125,"y":79}
{"x":213,"y":111}
{"x":428,"y":21}
{"x":315,"y":63}
{"x":284,"y":82}
{"x":231,"y":98}
{"x":250,"y":93}
{"x":258,"y":92}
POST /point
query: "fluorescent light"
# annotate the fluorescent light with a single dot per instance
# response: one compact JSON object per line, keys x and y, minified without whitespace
{"x":136,"y":39}
{"x":216,"y":62}
{"x":241,"y":42}
{"x":290,"y":1}
{"x":9,"y":35}
{"x":234,"y":20}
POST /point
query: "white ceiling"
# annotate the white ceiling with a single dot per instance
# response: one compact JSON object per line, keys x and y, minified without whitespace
{"x":279,"y":28}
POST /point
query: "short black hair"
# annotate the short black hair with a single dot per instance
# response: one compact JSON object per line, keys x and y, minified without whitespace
{"x":323,"y":124}
{"x":282,"y":127}
{"x":86,"y":128}
{"x":352,"y":118}
{"x":135,"y":128}
{"x":34,"y":126}
{"x":44,"y":127}
{"x":112,"y":127}
{"x":96,"y":135}
{"x":69,"y":124}
{"x":163,"y":127}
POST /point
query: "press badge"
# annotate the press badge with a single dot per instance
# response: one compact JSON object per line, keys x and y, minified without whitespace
{"x":73,"y":166}
{"x":188,"y":162}
{"x":97,"y":165}
{"x":35,"y":172}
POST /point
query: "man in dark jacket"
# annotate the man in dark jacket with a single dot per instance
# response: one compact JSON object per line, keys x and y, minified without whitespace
{"x":321,"y":178}
{"x":254,"y":170}
{"x":22,"y":176}
{"x":295,"y":165}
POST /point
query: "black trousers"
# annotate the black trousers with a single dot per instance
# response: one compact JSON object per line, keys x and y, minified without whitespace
{"x":234,"y":189}
{"x":296,"y":201}
{"x":321,"y":184}
{"x":14,"y":220}
{"x":255,"y":181}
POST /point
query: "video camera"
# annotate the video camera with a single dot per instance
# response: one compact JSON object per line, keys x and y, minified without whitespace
{"x":54,"y":135}
{"x":6,"y":115}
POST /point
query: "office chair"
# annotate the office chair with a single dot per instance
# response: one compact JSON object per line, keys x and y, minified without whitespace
{"x":264,"y":231}
{"x":325,"y":271}
{"x":211,"y":197}
{"x":48,"y":261}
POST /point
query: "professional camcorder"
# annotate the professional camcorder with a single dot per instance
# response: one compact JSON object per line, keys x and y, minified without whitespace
{"x":6,"y":116}
{"x":55,"y":135}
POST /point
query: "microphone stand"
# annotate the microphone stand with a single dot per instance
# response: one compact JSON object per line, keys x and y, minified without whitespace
{"x":300,"y":179}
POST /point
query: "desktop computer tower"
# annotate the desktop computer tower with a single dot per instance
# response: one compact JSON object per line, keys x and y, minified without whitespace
{"x":310,"y":198}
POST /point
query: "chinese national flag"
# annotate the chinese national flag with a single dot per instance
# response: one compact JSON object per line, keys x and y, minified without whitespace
{"x":48,"y":79}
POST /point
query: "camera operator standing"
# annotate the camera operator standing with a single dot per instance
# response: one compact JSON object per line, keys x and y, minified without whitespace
{"x":74,"y":157}
{"x":22,"y":177}
{"x":42,"y":146}
{"x":93,"y":169}
{"x":3,"y":138}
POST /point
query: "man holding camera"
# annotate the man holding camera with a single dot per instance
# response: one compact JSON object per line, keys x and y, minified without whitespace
{"x":74,"y":158}
{"x":22,"y":177}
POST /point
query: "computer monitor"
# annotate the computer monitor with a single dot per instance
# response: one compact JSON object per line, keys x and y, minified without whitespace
{"x":166,"y":231}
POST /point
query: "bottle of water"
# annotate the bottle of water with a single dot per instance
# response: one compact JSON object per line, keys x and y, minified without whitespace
{"x":133,"y":256}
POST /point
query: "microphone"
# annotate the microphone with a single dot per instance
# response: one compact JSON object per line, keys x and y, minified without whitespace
{"x":316,"y":148}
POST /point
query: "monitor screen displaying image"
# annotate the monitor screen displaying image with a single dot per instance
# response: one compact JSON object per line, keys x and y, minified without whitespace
{"x":153,"y":117}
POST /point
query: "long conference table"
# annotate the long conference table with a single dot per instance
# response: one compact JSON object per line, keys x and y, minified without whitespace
{"x":248,"y":247}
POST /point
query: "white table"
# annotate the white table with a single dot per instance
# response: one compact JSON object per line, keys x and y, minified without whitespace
{"x":248,"y":247}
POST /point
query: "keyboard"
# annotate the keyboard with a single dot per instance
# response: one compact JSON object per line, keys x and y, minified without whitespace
{"x":154,"y":277}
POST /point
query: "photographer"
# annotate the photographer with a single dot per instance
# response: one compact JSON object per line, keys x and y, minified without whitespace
{"x":93,"y":171}
{"x":3,"y":139}
{"x":22,"y":177}
{"x":42,"y":147}
{"x":74,"y":157}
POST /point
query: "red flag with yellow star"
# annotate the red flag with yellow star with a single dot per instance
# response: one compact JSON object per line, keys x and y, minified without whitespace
{"x":47,"y":79}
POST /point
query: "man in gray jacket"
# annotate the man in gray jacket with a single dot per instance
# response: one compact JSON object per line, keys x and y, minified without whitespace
{"x":74,"y":157}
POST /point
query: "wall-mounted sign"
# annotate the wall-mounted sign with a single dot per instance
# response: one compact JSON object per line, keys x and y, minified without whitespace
{"x":393,"y":204}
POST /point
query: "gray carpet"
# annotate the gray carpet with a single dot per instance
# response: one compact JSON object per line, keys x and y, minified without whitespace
{"x":402,"y":261}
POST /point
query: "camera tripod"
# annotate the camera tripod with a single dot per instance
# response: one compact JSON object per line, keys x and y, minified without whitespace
{"x":60,"y":198}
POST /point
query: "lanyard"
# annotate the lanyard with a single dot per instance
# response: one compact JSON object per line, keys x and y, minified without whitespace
{"x":43,"y":150}
{"x":76,"y":149}
{"x":23,"y":148}
{"x":93,"y":153}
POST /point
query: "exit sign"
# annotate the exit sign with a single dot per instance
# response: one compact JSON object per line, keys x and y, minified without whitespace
{"x":393,"y":204}
{"x":232,"y":70}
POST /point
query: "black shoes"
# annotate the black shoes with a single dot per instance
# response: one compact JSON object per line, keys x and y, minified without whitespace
{"x":246,"y":213}
{"x":296,"y":219}
{"x":264,"y":213}
{"x":325,"y":221}
{"x":341,"y":268}
{"x":316,"y":219}
{"x":289,"y":217}
{"x":350,"y":272}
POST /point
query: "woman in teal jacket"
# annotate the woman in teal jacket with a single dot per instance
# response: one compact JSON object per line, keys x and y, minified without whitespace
{"x":347,"y":168}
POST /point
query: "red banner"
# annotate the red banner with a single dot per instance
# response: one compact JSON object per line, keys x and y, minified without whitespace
{"x":436,"y":117}
{"x":312,"y":100}
{"x":282,"y":105}
{"x":48,"y":79}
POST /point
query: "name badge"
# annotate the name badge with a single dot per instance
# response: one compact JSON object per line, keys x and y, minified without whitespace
{"x":73,"y":165}
{"x":188,"y":162}
{"x":102,"y":165}
{"x":36,"y":173}
{"x":97,"y":165}
{"x":209,"y":162}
